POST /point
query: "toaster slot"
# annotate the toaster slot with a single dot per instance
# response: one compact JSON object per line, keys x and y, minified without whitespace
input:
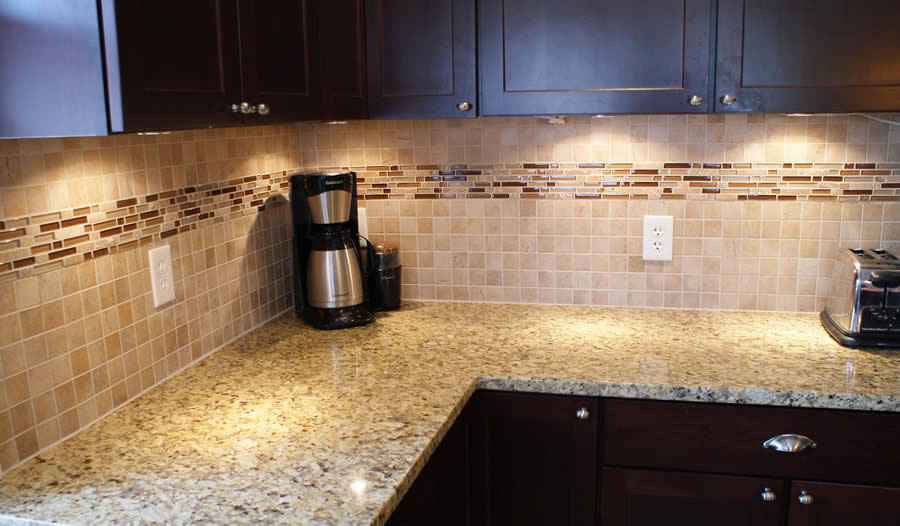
{"x":881,"y":320}
{"x":884,"y":317}
{"x":884,"y":254}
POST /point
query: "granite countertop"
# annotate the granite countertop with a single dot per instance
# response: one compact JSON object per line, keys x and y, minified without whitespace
{"x":293,"y":425}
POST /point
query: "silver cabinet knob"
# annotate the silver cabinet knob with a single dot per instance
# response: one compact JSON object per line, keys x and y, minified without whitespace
{"x":805,"y":498}
{"x":768,"y":495}
{"x":235,"y":108}
{"x":464,"y":106}
{"x":696,"y":100}
{"x":247,"y":108}
{"x":727,"y":99}
{"x":582,"y":414}
{"x":262,"y":109}
{"x":789,"y":443}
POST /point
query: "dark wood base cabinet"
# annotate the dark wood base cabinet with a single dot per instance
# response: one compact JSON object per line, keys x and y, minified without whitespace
{"x":632,"y":497}
{"x":530,"y":459}
{"x":843,"y":505}
{"x":534,"y":459}
{"x":440,"y":494}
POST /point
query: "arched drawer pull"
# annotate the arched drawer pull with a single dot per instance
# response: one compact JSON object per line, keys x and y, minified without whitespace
{"x":789,"y":443}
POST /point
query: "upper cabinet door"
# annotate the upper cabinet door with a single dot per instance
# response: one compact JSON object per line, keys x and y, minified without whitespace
{"x":593,"y":56}
{"x":808,"y":56}
{"x":51,"y":68}
{"x":279,"y":59}
{"x":172,"y":64}
{"x":342,"y":38}
{"x":421,"y":58}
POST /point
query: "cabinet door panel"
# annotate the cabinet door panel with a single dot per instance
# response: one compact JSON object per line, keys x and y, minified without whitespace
{"x":421,"y":58}
{"x":652,"y":498}
{"x":279,"y":59}
{"x":843,"y":504}
{"x":593,"y":56}
{"x":534,"y":461}
{"x":342,"y":40}
{"x":808,"y":55}
{"x":439,"y":495}
{"x":178,"y":63}
{"x":51,"y":68}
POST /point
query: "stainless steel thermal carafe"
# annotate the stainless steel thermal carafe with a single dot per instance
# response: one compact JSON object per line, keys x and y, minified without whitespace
{"x":333,"y":275}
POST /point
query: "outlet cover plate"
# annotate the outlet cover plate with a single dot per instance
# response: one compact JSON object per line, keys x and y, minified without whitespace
{"x":657,"y":240}
{"x":161,"y":277}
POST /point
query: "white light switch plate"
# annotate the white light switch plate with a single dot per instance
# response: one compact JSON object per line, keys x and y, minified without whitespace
{"x":161,"y":276}
{"x":657,"y":238}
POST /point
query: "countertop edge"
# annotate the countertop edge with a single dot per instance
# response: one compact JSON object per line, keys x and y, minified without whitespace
{"x":680,"y":393}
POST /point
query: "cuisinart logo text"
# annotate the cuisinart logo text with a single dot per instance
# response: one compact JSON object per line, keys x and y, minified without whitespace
{"x":334,"y":182}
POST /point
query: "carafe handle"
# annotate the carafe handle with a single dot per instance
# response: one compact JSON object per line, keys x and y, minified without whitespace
{"x":370,"y":269}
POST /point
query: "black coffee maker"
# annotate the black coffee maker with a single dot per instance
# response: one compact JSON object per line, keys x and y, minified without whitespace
{"x":330,"y":286}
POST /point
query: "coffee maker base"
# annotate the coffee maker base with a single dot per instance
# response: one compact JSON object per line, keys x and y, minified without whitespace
{"x":341,"y":318}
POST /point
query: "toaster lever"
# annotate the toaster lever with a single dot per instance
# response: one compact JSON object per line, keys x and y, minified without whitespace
{"x":886,"y":280}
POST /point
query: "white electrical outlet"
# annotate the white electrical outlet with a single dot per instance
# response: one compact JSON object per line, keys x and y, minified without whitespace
{"x":161,"y":276}
{"x":657,"y":238}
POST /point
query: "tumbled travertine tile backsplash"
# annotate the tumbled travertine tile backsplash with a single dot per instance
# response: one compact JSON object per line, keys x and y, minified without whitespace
{"x":518,"y":210}
{"x":79,"y":335}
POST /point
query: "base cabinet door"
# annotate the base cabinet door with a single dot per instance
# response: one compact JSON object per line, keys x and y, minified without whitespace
{"x":440,"y":494}
{"x":632,"y":497}
{"x":534,"y":459}
{"x":825,"y":504}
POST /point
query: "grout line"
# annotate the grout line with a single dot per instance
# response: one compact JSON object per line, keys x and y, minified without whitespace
{"x":140,"y":394}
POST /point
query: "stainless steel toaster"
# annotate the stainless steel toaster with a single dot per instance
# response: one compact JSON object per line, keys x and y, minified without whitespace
{"x":863,"y":308}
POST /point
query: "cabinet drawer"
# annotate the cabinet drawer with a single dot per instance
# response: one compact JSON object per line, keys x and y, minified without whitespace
{"x":850,"y":445}
{"x":633,"y":497}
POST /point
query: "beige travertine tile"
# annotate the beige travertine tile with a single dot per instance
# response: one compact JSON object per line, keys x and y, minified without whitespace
{"x":50,"y":286}
{"x":27,"y":293}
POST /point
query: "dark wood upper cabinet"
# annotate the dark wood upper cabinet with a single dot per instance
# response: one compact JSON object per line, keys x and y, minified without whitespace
{"x":632,"y":497}
{"x":534,"y":459}
{"x":167,"y":71}
{"x":421,"y":58}
{"x":593,"y":56}
{"x":187,"y":71}
{"x":51,"y":68}
{"x":808,"y":56}
{"x":280,"y":58}
{"x":342,"y":30}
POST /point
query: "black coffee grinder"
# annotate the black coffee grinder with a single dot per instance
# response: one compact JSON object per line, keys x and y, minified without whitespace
{"x":330,"y":287}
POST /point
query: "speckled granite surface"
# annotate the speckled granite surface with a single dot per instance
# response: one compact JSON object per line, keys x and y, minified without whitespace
{"x":292,"y":425}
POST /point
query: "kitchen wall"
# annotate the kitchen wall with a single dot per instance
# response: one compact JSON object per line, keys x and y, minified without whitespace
{"x":519,"y":210}
{"x":79,"y":335}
